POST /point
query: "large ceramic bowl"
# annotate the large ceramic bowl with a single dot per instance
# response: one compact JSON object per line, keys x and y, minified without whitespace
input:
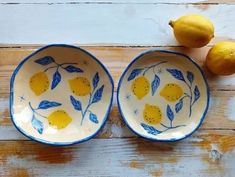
{"x":163,"y":95}
{"x":60,"y":95}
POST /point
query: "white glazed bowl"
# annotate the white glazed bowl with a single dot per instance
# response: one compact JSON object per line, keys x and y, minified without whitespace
{"x":60,"y":95}
{"x":163,"y":95}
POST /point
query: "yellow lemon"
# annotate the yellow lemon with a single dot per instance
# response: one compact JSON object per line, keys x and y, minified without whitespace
{"x":221,"y":58}
{"x":193,"y":30}
{"x":171,"y":92}
{"x":80,"y":86}
{"x":152,"y":114}
{"x":39,"y":83}
{"x":59,"y":118}
{"x":140,"y":87}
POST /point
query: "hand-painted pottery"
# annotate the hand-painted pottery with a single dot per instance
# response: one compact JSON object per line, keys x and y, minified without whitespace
{"x":163,"y":95}
{"x":60,"y":95}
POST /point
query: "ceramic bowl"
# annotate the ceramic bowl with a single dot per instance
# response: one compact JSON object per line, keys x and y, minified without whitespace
{"x":163,"y":95}
{"x":60,"y":95}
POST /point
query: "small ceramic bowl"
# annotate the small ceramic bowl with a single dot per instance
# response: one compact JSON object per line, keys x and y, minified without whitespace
{"x":60,"y":95}
{"x":163,"y":95}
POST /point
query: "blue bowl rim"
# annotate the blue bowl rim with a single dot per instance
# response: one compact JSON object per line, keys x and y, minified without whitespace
{"x":170,"y":52}
{"x":12,"y":97}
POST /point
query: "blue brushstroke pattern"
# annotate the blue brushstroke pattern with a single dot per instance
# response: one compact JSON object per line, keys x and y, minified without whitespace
{"x":190,"y":76}
{"x":98,"y":94}
{"x":155,"y":84}
{"x":169,"y":113}
{"x":45,"y":60}
{"x":37,"y":125}
{"x":134,"y":73}
{"x":45,"y":104}
{"x":93,"y":118}
{"x":56,"y":79}
{"x":176,"y":74}
{"x":95,"y":80}
{"x":179,"y":106}
{"x":76,"y":103}
{"x":73,"y":69}
{"x":196,"y":93}
{"x":150,"y":129}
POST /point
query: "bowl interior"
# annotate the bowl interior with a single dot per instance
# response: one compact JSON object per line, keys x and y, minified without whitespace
{"x":60,"y":95}
{"x":163,"y":96}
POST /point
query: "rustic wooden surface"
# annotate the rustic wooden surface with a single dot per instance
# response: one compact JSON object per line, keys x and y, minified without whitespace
{"x":116,"y":151}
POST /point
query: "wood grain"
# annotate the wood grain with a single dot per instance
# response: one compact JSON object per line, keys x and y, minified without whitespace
{"x":108,"y":23}
{"x":208,"y":153}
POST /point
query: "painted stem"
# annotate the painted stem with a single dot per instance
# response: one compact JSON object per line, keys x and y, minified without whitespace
{"x":34,"y":111}
{"x":190,"y":97}
{"x":88,"y":105}
{"x":171,"y":127}
{"x":153,"y":66}
{"x":59,"y":65}
{"x":50,"y":68}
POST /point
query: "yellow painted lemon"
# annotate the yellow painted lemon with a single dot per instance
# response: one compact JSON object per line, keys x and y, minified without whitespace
{"x":80,"y":86}
{"x":193,"y":30}
{"x":39,"y":83}
{"x":59,"y":118}
{"x":171,"y":92}
{"x":140,"y":87}
{"x":221,"y":58}
{"x":152,"y":114}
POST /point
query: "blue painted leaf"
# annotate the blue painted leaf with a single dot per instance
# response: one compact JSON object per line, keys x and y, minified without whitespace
{"x":95,"y":80}
{"x":134,"y":73}
{"x":37,"y":125}
{"x":155,"y":84}
{"x":98,"y":94}
{"x":169,"y":113}
{"x":196,"y":94}
{"x":176,"y":73}
{"x":93,"y":118}
{"x":73,"y":69}
{"x":190,"y":76}
{"x":76,"y":103}
{"x":48,"y":104}
{"x":56,"y":79}
{"x":179,"y":106}
{"x":150,"y":129}
{"x":45,"y":60}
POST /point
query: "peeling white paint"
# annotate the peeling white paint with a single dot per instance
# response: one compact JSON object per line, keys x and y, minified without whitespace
{"x":230,"y":112}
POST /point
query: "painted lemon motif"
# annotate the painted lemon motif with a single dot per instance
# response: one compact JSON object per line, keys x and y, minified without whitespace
{"x":80,"y":86}
{"x":193,"y":30}
{"x":140,"y":87}
{"x":39,"y":83}
{"x":152,"y":114}
{"x":59,"y":118}
{"x":171,"y":92}
{"x":221,"y":58}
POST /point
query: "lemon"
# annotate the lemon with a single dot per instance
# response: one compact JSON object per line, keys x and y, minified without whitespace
{"x":39,"y":83}
{"x":171,"y":92}
{"x":193,"y":30}
{"x":140,"y":87}
{"x":152,"y":114}
{"x":59,"y":118}
{"x":221,"y":58}
{"x":80,"y":86}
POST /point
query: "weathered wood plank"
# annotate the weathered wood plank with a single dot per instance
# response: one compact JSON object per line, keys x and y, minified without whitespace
{"x":115,"y":58}
{"x":105,"y":23}
{"x":118,"y":1}
{"x":209,"y":153}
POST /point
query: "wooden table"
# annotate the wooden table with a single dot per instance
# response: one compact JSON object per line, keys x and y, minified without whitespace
{"x":116,"y":31}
